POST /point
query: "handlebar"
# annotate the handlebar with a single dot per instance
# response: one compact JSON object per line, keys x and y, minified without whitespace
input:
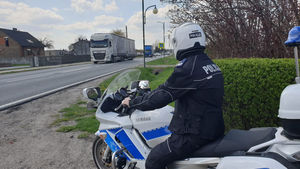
{"x":123,"y":109}
{"x":119,"y":107}
{"x":122,"y":93}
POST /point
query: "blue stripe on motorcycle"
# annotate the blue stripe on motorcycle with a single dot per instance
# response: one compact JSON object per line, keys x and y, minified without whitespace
{"x":114,"y":131}
{"x":110,"y":142}
{"x":123,"y":137}
{"x":152,"y":134}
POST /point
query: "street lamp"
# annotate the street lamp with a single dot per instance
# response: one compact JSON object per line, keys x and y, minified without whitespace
{"x":164,"y":40}
{"x":155,"y":11}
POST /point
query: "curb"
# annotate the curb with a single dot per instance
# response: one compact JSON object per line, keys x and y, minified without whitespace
{"x":31,"y":98}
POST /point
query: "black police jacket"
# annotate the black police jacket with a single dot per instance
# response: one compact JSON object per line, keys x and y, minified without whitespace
{"x":197,"y":87}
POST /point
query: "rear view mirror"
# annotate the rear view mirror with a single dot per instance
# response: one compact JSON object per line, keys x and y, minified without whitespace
{"x":144,"y":84}
{"x":134,"y":85}
{"x":92,"y":93}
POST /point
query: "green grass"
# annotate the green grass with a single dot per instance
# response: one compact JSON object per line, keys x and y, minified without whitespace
{"x":66,"y":128}
{"x":75,"y":111}
{"x":20,"y":65}
{"x":88,"y":124}
{"x":106,"y":82}
{"x":83,"y":135}
{"x":170,"y":60}
{"x":85,"y":119}
{"x":161,"y":76}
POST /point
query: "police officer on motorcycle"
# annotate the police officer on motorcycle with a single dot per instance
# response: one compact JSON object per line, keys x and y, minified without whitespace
{"x":197,"y":87}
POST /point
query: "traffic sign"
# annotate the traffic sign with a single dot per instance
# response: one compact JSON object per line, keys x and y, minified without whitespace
{"x":161,"y":46}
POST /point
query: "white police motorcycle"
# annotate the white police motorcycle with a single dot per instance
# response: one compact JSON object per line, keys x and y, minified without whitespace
{"x":126,"y":136}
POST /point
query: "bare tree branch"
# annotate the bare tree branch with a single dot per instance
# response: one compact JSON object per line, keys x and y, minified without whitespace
{"x":241,"y":28}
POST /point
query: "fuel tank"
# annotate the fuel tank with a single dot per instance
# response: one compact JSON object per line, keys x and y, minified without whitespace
{"x":153,"y":125}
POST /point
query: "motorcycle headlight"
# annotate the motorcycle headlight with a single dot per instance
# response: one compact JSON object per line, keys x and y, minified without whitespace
{"x":297,"y":156}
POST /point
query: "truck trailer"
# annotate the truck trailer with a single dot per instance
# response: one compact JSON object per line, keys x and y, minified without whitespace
{"x":109,"y":47}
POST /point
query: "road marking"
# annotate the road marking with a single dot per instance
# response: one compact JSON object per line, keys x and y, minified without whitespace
{"x":28,"y":99}
{"x":28,"y":77}
{"x":42,"y":75}
{"x":73,"y":70}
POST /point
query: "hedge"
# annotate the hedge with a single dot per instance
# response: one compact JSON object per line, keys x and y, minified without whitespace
{"x":252,"y":90}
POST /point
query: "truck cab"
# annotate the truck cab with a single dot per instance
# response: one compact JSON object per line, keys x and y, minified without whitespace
{"x":101,"y":48}
{"x":108,"y":47}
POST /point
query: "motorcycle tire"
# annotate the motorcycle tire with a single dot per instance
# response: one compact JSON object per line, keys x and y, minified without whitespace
{"x":99,"y":147}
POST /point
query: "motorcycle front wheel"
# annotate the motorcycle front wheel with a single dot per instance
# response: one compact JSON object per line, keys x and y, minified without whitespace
{"x":99,"y":148}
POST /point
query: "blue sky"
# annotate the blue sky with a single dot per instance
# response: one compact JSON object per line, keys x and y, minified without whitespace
{"x":64,"y":20}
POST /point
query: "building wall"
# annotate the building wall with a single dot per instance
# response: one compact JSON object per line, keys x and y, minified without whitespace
{"x":30,"y":51}
{"x":82,"y":47}
{"x":56,"y":52}
{"x":15,"y":53}
{"x":13,"y":50}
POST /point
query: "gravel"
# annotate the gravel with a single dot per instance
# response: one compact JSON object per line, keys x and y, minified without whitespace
{"x":27,"y":140}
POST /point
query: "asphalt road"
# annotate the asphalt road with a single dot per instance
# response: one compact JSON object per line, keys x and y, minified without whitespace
{"x":17,"y":86}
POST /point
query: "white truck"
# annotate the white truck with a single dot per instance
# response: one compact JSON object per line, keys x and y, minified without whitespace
{"x":108,"y":47}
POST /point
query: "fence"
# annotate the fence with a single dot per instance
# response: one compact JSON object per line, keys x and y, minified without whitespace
{"x":15,"y":60}
{"x":57,"y":60}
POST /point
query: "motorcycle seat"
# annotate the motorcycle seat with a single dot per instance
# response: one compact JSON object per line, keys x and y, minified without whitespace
{"x":236,"y":141}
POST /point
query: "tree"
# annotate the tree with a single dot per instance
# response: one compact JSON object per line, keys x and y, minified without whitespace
{"x":118,"y":32}
{"x":241,"y":28}
{"x":80,"y":38}
{"x":47,"y":42}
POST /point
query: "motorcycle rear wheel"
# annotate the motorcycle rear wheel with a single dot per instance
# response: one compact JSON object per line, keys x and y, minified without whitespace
{"x":99,"y":147}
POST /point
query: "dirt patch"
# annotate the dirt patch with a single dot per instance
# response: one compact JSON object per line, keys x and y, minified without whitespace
{"x":157,"y":71}
{"x":28,"y":142}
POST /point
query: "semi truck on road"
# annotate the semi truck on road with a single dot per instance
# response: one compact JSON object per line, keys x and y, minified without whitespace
{"x":108,"y":47}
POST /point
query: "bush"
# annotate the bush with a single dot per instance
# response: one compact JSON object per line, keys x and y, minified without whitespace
{"x":252,"y":90}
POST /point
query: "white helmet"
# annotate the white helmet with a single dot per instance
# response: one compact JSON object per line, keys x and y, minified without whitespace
{"x":186,"y":36}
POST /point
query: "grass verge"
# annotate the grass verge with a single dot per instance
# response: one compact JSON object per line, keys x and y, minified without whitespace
{"x":85,"y":119}
{"x":170,"y":60}
{"x":20,"y":65}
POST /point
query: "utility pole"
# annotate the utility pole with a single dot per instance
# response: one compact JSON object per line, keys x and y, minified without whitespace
{"x":143,"y":33}
{"x":144,"y":22}
{"x":126,"y":31}
{"x":164,"y":39}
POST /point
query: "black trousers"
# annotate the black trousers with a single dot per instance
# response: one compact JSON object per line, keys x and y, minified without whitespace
{"x":176,"y":147}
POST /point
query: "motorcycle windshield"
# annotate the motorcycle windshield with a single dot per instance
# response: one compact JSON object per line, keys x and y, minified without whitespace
{"x":122,"y":80}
